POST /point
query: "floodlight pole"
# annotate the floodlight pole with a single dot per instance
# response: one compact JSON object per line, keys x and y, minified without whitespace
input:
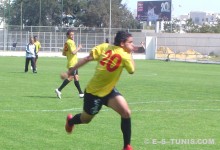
{"x":62,"y":14}
{"x":110,"y":20}
{"x":21,"y":13}
{"x":40,"y":15}
{"x":9,"y":9}
{"x":4,"y":27}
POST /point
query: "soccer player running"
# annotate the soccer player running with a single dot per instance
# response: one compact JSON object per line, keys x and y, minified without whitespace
{"x":38,"y":46}
{"x":70,"y":51}
{"x":111,"y":59}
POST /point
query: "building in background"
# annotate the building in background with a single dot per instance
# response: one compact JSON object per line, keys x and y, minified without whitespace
{"x":200,"y":18}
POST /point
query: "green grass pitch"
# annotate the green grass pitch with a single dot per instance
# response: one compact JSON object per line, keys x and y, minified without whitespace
{"x":175,"y":106}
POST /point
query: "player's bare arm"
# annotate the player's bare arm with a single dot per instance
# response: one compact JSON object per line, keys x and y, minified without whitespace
{"x":81,"y":62}
{"x":132,"y":61}
{"x":77,"y":49}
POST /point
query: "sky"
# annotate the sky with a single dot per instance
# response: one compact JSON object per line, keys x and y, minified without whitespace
{"x":183,"y":7}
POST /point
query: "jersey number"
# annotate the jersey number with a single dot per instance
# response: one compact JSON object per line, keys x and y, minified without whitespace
{"x":109,"y":60}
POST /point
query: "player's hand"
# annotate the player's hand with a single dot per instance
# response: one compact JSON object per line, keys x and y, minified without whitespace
{"x":135,"y":48}
{"x":80,"y":46}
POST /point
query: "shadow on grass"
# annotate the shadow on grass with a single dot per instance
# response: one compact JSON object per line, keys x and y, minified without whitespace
{"x":50,"y":97}
{"x":20,"y":72}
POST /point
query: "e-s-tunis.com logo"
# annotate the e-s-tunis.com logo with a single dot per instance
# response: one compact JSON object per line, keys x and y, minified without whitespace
{"x":178,"y":141}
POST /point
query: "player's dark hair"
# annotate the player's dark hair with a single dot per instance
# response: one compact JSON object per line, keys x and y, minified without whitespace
{"x":69,"y":31}
{"x":121,"y":36}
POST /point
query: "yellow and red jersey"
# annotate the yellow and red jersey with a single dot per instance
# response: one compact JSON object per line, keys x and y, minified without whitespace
{"x":111,"y":61}
{"x":38,"y":46}
{"x":69,"y":47}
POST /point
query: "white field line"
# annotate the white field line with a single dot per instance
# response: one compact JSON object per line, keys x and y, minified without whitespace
{"x":133,"y":110}
{"x":172,"y":101}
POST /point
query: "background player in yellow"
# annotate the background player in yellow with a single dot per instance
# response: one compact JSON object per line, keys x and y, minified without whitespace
{"x":70,"y":51}
{"x":111,"y":59}
{"x":38,"y":46}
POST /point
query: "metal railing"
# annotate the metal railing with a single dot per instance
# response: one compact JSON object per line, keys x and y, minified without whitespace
{"x":52,"y":40}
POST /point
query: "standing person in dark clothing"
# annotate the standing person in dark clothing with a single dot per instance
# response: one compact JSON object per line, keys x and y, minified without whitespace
{"x":30,"y":55}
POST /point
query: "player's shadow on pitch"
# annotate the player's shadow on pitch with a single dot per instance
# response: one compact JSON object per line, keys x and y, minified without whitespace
{"x":22,"y":72}
{"x":19,"y":72}
{"x":51,"y":97}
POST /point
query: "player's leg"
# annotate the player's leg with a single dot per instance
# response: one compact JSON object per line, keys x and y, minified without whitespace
{"x":64,"y":83}
{"x":33,"y":65}
{"x":26,"y":65}
{"x":76,"y":82}
{"x":119,"y":104}
{"x":92,"y":105}
{"x":36,"y":58}
{"x":81,"y":118}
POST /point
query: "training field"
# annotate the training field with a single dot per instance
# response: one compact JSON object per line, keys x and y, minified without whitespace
{"x":175,"y":106}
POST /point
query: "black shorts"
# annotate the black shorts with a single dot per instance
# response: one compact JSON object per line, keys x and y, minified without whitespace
{"x":93,"y":104}
{"x":74,"y":72}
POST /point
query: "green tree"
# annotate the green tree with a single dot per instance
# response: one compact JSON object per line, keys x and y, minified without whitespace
{"x":96,"y":13}
{"x":92,"y":13}
{"x":206,"y":29}
{"x":38,"y":12}
{"x":216,"y":27}
{"x":4,"y":11}
{"x":170,"y":26}
{"x":191,"y":27}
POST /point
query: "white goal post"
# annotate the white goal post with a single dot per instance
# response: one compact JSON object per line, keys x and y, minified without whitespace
{"x":150,"y":47}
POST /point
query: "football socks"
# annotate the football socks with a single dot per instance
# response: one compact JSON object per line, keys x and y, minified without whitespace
{"x":126,"y":130}
{"x":78,"y":87}
{"x":75,"y":120}
{"x":65,"y":82}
